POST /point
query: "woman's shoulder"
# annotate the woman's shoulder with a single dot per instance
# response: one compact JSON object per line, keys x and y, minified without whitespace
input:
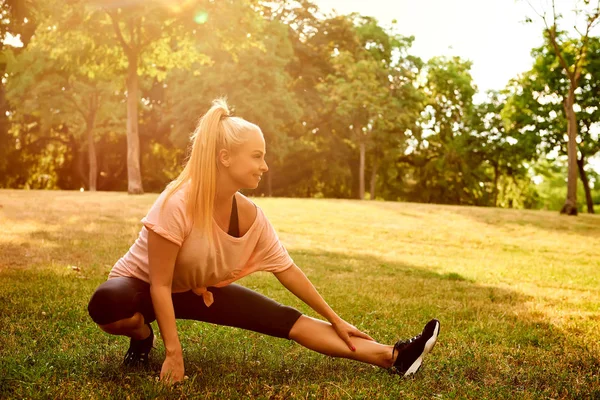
{"x":248,"y":211}
{"x":170,"y":203}
{"x":244,"y":203}
{"x":174,"y":196}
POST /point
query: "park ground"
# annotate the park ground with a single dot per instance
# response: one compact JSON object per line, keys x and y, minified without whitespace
{"x":517,"y":293}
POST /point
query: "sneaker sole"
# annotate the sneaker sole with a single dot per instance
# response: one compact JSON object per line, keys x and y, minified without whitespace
{"x":428,"y":347}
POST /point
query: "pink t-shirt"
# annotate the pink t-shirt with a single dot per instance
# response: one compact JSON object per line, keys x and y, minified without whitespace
{"x":258,"y":250}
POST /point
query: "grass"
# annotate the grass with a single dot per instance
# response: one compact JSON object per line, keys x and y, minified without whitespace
{"x":517,"y":293}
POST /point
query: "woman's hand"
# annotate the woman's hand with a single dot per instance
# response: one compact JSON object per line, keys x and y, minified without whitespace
{"x":172,"y":369}
{"x":345,"y":330}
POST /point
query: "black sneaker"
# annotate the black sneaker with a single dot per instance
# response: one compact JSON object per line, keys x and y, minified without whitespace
{"x":412,"y":351}
{"x":138,"y":351}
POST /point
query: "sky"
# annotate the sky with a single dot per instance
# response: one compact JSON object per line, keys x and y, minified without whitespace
{"x":490,"y":33}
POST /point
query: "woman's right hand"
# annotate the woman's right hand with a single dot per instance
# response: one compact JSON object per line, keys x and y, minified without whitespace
{"x":172,"y":369}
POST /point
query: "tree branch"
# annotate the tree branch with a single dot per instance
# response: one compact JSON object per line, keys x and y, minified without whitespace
{"x":77,"y":107}
{"x":81,"y":111}
{"x":579,"y":62}
{"x":553,"y":41}
{"x":149,"y":39}
{"x":120,"y":37}
{"x":551,"y":30}
{"x":561,"y":58}
{"x":139,"y":32}
{"x":542,"y":16}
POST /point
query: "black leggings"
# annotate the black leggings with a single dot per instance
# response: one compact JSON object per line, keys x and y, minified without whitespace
{"x":234,"y":305}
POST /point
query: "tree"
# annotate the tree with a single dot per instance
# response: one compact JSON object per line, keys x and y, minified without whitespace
{"x":19,"y":21}
{"x":505,"y":148}
{"x":443,"y":161}
{"x":365,"y":90}
{"x":146,"y":32}
{"x":82,"y":71}
{"x":252,"y":75}
{"x":536,"y":105}
{"x":572,"y":67}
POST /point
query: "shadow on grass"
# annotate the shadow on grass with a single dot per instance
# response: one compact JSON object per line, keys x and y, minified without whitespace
{"x":492,"y":343}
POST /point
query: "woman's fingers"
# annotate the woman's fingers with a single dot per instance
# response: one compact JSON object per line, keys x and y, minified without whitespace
{"x":348,"y":342}
{"x":172,"y":370}
{"x":362,"y":335}
{"x":345,"y":336}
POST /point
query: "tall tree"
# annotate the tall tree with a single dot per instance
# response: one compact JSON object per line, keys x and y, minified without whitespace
{"x":19,"y":21}
{"x":68,"y":59}
{"x":505,"y":147}
{"x":83,"y":106}
{"x":536,"y":105}
{"x":444,"y":153}
{"x":251,"y":74}
{"x":146,"y":33}
{"x":365,"y":91}
{"x":572,"y":67}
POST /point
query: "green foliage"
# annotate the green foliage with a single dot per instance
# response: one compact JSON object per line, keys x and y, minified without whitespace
{"x":535,"y":106}
{"x":444,"y":158}
{"x":552,"y":189}
{"x":341,"y":101}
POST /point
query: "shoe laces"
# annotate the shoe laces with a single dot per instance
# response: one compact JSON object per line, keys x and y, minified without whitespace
{"x":139,"y":349}
{"x":402,"y":343}
{"x":135,"y":356}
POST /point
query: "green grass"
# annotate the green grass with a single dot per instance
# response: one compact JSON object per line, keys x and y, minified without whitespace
{"x":517,"y":293}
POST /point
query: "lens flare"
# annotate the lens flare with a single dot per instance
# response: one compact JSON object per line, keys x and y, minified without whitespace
{"x":201,"y":17}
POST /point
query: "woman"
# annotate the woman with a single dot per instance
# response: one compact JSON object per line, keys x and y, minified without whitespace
{"x":200,"y":235}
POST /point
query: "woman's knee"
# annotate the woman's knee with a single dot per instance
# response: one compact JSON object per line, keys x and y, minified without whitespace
{"x":298,"y":327}
{"x":100,"y":304}
{"x":123,"y":326}
{"x":112,"y":301}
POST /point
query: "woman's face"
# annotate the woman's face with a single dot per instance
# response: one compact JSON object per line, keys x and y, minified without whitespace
{"x":247,"y":163}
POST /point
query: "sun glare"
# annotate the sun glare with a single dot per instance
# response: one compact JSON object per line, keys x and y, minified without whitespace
{"x":201,"y":17}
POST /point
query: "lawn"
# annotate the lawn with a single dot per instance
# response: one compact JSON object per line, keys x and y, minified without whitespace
{"x":517,"y":294}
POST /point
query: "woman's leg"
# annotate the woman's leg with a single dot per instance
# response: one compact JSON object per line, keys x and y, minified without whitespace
{"x":122,"y":306}
{"x":134,"y":327}
{"x":237,"y":306}
{"x":320,"y":336}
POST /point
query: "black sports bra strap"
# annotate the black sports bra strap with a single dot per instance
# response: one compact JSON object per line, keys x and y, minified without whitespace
{"x":234,"y":229}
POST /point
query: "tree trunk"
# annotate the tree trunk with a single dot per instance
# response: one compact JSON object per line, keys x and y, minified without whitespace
{"x":495,"y":185}
{"x":92,"y":159}
{"x":270,"y":183}
{"x":134,"y":175}
{"x":93,"y":163}
{"x":361,"y":171}
{"x":374,"y":177}
{"x":570,"y":207}
{"x":81,"y":167}
{"x":586,"y":185}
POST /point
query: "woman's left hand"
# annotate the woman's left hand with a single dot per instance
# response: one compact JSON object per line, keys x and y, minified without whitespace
{"x":345,"y":330}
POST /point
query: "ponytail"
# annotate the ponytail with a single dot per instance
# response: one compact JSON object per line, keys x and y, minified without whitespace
{"x":216,"y":130}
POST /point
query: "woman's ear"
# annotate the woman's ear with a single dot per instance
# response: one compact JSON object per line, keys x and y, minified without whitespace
{"x":224,"y":158}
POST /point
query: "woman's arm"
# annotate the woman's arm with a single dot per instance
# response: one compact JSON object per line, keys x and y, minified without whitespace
{"x":296,"y":282}
{"x":161,"y":257}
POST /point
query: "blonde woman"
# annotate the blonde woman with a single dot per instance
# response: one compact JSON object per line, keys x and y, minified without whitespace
{"x":200,"y":235}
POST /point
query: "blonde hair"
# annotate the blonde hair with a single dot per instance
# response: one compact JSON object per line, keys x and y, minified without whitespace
{"x":216,"y":130}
